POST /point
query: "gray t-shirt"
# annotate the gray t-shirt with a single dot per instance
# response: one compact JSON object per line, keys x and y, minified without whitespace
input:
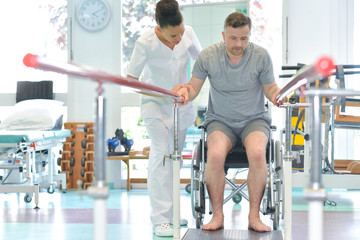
{"x":236,"y":94}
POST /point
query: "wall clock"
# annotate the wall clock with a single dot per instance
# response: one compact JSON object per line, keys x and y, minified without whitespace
{"x":93,"y":15}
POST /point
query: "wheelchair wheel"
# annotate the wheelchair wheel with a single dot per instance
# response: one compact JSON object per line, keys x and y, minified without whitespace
{"x":278,"y":191}
{"x":237,"y":198}
{"x":198,"y":183}
{"x":198,"y":202}
{"x":279,"y":178}
{"x":276,"y":217}
{"x":195,"y":184}
{"x":200,"y":207}
{"x":188,"y":188}
{"x":199,"y":222}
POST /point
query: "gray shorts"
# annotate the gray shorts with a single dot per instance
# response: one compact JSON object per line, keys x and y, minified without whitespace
{"x":239,"y":133}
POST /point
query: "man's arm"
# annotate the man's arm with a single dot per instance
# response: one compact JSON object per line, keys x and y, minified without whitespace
{"x":191,"y":90}
{"x":271,"y":91}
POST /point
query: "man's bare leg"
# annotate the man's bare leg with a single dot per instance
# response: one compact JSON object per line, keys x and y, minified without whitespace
{"x":218,"y":147}
{"x":255,"y":144}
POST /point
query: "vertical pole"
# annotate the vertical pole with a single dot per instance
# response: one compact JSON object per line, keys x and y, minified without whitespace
{"x":99,"y":141}
{"x":288,"y":130}
{"x":287,"y":164}
{"x":51,"y":170}
{"x":307,"y":147}
{"x":332,"y":107}
{"x":99,"y":190}
{"x":315,"y":194}
{"x":315,"y":171}
{"x":176,"y":175}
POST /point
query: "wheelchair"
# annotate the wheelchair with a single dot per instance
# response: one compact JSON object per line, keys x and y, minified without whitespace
{"x":272,"y":199}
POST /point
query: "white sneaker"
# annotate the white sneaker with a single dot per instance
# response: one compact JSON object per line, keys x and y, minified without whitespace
{"x":163,"y":230}
{"x":183,"y":222}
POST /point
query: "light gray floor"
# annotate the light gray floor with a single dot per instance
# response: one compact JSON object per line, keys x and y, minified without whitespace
{"x":69,"y":216}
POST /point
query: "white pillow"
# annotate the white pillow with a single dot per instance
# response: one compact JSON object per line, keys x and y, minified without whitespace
{"x":35,"y":114}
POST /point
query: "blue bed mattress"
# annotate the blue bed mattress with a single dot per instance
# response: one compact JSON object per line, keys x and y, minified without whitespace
{"x":29,"y":136}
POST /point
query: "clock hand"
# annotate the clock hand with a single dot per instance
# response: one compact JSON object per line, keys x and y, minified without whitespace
{"x":94,"y":13}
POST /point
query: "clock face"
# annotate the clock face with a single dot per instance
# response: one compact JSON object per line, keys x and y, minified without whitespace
{"x":93,"y":15}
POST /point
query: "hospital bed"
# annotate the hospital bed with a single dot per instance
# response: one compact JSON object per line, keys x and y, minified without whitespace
{"x":27,"y":161}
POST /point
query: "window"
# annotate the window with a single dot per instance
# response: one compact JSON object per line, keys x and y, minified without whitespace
{"x":137,"y":16}
{"x":134,"y":127}
{"x":37,"y":27}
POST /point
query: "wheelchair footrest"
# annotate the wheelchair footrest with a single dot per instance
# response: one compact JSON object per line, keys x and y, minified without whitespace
{"x":269,"y":210}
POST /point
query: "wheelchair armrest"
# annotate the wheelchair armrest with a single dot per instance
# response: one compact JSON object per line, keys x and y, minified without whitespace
{"x":273,"y":128}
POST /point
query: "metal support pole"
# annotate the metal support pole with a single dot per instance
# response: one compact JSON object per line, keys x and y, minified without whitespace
{"x":99,"y":141}
{"x":287,"y":164}
{"x":332,"y":109}
{"x":99,"y":190}
{"x":315,"y":170}
{"x":176,"y":157}
{"x":315,"y":194}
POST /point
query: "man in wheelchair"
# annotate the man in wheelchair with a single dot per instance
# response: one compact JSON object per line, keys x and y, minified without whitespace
{"x":241,"y":76}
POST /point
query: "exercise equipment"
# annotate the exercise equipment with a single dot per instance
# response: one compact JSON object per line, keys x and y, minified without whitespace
{"x":79,"y":156}
{"x":118,"y":140}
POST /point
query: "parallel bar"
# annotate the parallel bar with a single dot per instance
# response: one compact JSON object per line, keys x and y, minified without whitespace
{"x":332,"y":92}
{"x":176,"y":157}
{"x":322,"y":68}
{"x":96,"y":75}
{"x":333,"y":73}
{"x":316,"y":194}
{"x":99,"y":191}
{"x":303,"y":105}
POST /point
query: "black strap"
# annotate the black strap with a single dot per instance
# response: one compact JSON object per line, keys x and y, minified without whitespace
{"x":341,"y":76}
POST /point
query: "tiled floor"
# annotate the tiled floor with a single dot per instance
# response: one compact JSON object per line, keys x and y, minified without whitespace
{"x":70,"y":216}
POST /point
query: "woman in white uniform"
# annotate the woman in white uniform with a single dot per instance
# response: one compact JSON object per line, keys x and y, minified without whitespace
{"x":162,"y":55}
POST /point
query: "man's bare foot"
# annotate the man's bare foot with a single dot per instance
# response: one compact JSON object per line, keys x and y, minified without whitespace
{"x":214,"y":224}
{"x":258,"y":225}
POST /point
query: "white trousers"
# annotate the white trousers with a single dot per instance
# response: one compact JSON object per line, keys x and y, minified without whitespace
{"x":160,"y":177}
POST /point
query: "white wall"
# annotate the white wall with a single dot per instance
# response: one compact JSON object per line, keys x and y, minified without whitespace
{"x":317,"y":27}
{"x":101,"y":50}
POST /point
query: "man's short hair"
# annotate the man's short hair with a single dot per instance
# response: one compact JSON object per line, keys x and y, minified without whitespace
{"x":236,"y":20}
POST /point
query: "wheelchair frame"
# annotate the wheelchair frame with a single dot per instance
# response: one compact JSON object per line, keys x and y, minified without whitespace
{"x":272,"y":200}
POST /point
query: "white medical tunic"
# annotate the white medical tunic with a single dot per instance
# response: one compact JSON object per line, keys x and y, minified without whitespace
{"x":164,"y":68}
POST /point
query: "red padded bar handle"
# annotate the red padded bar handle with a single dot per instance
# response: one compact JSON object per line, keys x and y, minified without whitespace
{"x":99,"y":76}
